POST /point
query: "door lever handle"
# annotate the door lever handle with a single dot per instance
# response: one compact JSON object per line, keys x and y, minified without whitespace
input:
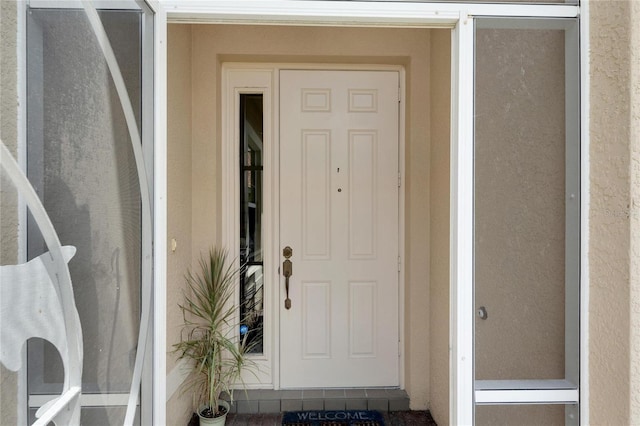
{"x":287,"y":270}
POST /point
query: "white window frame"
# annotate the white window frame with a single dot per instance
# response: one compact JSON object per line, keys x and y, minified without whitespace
{"x":459,"y":17}
{"x":159,"y":308}
{"x":235,"y":82}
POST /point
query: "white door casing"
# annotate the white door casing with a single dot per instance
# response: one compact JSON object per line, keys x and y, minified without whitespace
{"x":339,"y":213}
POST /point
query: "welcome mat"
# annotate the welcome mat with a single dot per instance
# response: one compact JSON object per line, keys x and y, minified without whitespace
{"x":333,"y":418}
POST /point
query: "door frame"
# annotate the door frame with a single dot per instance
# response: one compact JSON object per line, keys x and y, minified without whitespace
{"x":249,"y":77}
{"x":459,"y":17}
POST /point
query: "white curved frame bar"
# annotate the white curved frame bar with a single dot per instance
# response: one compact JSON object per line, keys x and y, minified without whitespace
{"x":136,"y":142}
{"x":67,"y":398}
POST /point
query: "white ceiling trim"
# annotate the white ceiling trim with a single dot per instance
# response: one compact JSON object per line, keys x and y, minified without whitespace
{"x":349,"y":13}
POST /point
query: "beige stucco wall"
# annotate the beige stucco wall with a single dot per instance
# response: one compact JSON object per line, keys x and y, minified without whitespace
{"x":214,"y":44}
{"x":634,"y":269}
{"x":439,"y":224}
{"x":614,"y":291}
{"x":8,"y":197}
{"x":8,"y":129}
{"x":179,"y":198}
{"x":519,"y":204}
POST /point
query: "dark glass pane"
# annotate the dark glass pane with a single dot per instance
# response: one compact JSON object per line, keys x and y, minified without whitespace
{"x":251,"y":250}
{"x":252,"y":116}
{"x":251,"y":215}
{"x":252,"y":307}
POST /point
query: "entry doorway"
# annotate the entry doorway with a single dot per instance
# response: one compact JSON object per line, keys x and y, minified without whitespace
{"x":320,"y":181}
{"x":339,"y":191}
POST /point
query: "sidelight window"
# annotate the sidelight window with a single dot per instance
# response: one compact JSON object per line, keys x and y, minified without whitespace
{"x":251,"y":206}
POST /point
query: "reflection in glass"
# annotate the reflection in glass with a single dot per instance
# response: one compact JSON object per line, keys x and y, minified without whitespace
{"x":251,"y":281}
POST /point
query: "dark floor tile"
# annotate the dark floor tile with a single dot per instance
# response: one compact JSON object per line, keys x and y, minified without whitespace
{"x":334,"y":393}
{"x":247,"y":407}
{"x":268,"y":420}
{"x":291,"y":405}
{"x":291,"y":394}
{"x":376,"y":393}
{"x":313,"y":404}
{"x":356,"y":403}
{"x":312,"y":394}
{"x":269,"y":407}
{"x":399,"y":404}
{"x":378,"y":404}
{"x":335,"y":404}
{"x":409,"y":418}
{"x":355,"y":393}
{"x":274,"y":419}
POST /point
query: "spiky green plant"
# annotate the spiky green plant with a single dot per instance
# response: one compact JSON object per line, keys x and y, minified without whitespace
{"x":209,"y":335}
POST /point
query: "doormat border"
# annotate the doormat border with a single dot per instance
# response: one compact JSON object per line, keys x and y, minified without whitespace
{"x":337,"y":417}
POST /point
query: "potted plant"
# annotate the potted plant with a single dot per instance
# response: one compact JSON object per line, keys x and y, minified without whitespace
{"x":209,"y":337}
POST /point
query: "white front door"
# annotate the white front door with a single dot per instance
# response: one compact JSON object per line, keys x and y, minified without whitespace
{"x":339,"y":214}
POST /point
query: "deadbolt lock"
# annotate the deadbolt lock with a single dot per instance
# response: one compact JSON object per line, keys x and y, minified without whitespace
{"x":287,"y":252}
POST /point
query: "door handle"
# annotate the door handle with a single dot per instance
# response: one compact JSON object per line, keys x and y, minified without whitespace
{"x":287,"y":270}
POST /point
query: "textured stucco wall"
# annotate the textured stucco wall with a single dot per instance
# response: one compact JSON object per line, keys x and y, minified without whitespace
{"x":520,"y":204}
{"x":178,"y":198}
{"x":439,"y":223}
{"x":635,"y":212}
{"x":519,"y":212}
{"x":8,"y":197}
{"x":8,"y":128}
{"x":613,"y":269}
{"x":213,"y":44}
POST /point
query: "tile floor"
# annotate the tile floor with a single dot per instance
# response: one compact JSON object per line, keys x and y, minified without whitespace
{"x":275,"y":401}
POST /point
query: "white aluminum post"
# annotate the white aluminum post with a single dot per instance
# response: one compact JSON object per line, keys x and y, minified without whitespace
{"x":461,"y":340}
{"x":584,"y":211}
{"x":159,"y":412}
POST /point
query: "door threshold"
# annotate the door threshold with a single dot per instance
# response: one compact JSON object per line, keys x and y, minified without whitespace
{"x":256,"y":401}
